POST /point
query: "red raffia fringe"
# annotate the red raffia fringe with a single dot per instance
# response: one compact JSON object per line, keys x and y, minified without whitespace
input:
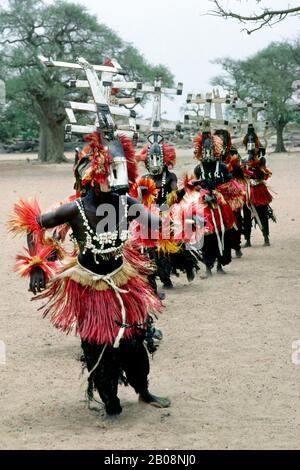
{"x":233,"y":193}
{"x":198,"y":142}
{"x":25,"y":264}
{"x":169,"y":156}
{"x":129,"y":152}
{"x":260,"y":195}
{"x":149,"y":196}
{"x":135,"y":258}
{"x":24,"y":219}
{"x":227,"y":214}
{"x":94,"y":312}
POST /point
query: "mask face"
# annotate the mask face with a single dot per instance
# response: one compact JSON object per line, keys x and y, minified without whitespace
{"x":117,"y":178}
{"x":118,"y":175}
{"x":251,"y":146}
{"x":234,"y":152}
{"x":208,"y":151}
{"x":155,"y":160}
{"x":80,"y":168}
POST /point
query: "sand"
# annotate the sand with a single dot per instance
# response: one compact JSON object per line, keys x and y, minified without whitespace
{"x":225,"y":361}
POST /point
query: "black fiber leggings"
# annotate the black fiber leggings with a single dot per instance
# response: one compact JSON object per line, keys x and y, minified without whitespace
{"x":131,"y":357}
{"x":262,"y":212}
{"x":236,"y":236}
{"x":210,"y":249}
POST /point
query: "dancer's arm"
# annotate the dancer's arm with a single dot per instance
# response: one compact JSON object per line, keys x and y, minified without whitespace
{"x":174,"y":185}
{"x":62,"y":215}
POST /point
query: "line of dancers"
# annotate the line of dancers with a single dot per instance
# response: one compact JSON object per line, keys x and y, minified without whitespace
{"x":126,"y":233}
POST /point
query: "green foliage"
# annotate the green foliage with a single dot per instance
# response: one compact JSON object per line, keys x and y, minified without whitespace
{"x":16,"y":122}
{"x":63,"y":31}
{"x":268,"y":75}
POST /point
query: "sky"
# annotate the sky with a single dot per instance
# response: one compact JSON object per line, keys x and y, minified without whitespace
{"x":180,"y":35}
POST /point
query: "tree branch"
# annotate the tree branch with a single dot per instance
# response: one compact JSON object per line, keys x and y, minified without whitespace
{"x":268,"y":17}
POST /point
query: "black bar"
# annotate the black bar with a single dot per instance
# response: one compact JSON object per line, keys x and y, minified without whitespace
{"x":147,"y":458}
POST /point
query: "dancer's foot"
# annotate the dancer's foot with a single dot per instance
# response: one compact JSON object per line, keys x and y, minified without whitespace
{"x":161,"y":295}
{"x":168,"y":284}
{"x":247,"y":244}
{"x":267,"y":242}
{"x":220,"y":270}
{"x":238,"y":253}
{"x":158,"y":402}
{"x":207,"y":273}
{"x":157,"y":334}
{"x":111,"y":419}
{"x":113,"y":408}
{"x":190,"y":274}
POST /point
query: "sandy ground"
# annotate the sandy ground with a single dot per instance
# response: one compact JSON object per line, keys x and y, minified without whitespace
{"x":225,"y":360}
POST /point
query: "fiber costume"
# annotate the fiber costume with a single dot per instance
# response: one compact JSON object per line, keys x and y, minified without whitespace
{"x":234,"y":191}
{"x":159,"y":159}
{"x":103,"y":292}
{"x":258,"y":196}
{"x":214,"y":180}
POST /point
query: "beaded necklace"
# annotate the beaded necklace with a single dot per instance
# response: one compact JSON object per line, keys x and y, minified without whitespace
{"x":103,"y":244}
{"x":217,"y":170}
{"x":216,"y":173}
{"x":163,"y":184}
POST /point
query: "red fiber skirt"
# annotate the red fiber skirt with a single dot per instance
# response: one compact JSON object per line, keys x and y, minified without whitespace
{"x":260,"y":195}
{"x":75,"y":300}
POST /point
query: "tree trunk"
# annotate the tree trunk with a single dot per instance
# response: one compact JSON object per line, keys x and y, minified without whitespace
{"x":52,"y":132}
{"x":279,"y":134}
{"x":51,"y":147}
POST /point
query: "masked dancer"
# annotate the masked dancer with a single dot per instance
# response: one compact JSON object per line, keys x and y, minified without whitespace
{"x":103,"y":292}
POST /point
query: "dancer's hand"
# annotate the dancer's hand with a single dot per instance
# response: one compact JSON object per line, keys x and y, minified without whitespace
{"x":37,"y":280}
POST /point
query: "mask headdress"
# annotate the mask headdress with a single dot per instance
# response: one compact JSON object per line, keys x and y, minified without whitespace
{"x":207,"y":147}
{"x":107,"y":164}
{"x":169,"y":156}
{"x":251,"y":141}
{"x":94,"y":161}
{"x":109,"y":63}
{"x":129,"y":152}
{"x":156,"y":156}
{"x":224,"y":134}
